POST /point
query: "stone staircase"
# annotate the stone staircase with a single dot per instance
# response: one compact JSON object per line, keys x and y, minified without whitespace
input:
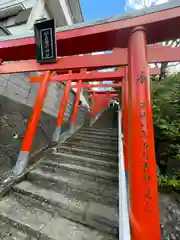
{"x":71,"y":194}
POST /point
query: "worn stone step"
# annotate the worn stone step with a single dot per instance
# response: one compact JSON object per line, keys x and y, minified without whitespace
{"x":80,"y":172}
{"x":89,"y":137}
{"x":79,"y":151}
{"x":98,"y":216}
{"x":99,"y":164}
{"x":41,"y":222}
{"x":25,"y":218}
{"x":95,"y":132}
{"x":9,"y":232}
{"x":102,"y":141}
{"x":92,"y":146}
{"x":106,"y":130}
{"x":78,"y":188}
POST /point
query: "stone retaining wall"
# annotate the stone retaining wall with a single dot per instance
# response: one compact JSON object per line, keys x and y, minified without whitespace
{"x":17,"y":97}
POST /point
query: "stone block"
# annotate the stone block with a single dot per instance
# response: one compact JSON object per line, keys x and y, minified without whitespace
{"x":5,"y":205}
{"x":14,"y":96}
{"x":37,"y":218}
{"x":16,"y":110}
{"x":3,"y":81}
{"x":30,"y":101}
{"x":61,"y":228}
{"x":17,"y":90}
{"x":13,"y":117}
{"x":102,"y":217}
{"x":20,"y":82}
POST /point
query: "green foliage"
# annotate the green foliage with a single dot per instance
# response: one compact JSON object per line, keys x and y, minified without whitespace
{"x":166,"y":114}
{"x":165,"y":182}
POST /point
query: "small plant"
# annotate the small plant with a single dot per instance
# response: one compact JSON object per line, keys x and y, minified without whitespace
{"x":165,"y":182}
{"x":162,"y":181}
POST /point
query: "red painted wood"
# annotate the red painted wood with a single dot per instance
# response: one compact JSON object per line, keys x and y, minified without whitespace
{"x":96,"y":85}
{"x":63,"y":104}
{"x":160,"y":26}
{"x":85,"y":77}
{"x":111,"y":95}
{"x":33,"y":121}
{"x":101,"y":92}
{"x":91,"y":76}
{"x":92,"y":62}
{"x":74,"y":62}
{"x":141,"y":150}
{"x":76,"y":104}
{"x":92,"y":106}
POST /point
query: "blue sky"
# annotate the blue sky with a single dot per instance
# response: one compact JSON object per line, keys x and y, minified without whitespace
{"x":95,"y":9}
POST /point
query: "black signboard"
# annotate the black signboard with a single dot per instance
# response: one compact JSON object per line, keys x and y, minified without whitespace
{"x":45,"y":38}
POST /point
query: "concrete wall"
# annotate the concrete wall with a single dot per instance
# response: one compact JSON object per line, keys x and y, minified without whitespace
{"x":17,"y":97}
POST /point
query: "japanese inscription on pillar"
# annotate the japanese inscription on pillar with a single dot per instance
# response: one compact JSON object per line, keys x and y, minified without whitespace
{"x":145,"y":148}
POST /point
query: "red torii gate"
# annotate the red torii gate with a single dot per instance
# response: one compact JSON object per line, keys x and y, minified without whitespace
{"x":101,"y":100}
{"x":84,"y":76}
{"x":127,"y":36}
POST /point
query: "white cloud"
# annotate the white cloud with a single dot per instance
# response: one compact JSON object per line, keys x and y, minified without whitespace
{"x":140,"y":4}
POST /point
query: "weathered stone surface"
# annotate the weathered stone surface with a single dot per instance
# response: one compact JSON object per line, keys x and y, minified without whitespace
{"x":69,"y":207}
{"x":102,"y":213}
{"x":108,"y":166}
{"x":97,"y":215}
{"x":17,"y":97}
{"x":105,"y":141}
{"x":80,"y":151}
{"x":64,"y":229}
{"x":56,"y":163}
{"x":102,"y":217}
{"x":81,"y":172}
{"x":65,"y":197}
{"x":97,"y":133}
{"x":80,"y":188}
{"x":92,"y":146}
{"x":170,"y":216}
{"x":24,"y":217}
{"x":7,"y":232}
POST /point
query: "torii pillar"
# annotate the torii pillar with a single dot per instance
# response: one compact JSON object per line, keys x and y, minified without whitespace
{"x":144,"y":209}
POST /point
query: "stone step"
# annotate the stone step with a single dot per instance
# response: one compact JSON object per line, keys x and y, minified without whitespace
{"x":99,"y":164}
{"x":40,"y":222}
{"x":92,"y":214}
{"x":99,"y":133}
{"x":79,"y":188}
{"x":88,"y":136}
{"x":25,"y":218}
{"x":106,"y":130}
{"x":9,"y":232}
{"x":65,"y":169}
{"x":102,"y":141}
{"x":92,"y":146}
{"x":79,"y":151}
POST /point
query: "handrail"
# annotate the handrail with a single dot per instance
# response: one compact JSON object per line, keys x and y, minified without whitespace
{"x":124,"y":225}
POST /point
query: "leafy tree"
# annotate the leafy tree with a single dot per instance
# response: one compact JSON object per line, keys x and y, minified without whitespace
{"x":166,"y":114}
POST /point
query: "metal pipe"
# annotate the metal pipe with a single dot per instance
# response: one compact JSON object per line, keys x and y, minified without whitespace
{"x":125,"y":119}
{"x":124,"y":226}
